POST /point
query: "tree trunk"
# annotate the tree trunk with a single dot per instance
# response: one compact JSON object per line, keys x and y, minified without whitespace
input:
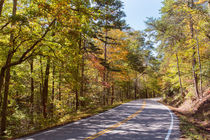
{"x":112,"y":99}
{"x":59,"y":87}
{"x":122,"y":97}
{"x":82,"y":77}
{"x":32,"y":90}
{"x":200,"y":67}
{"x":179,"y":73}
{"x":45,"y":88}
{"x":7,"y":77}
{"x":128,"y":88}
{"x":76,"y":88}
{"x":104,"y":95}
{"x":146,"y":92}
{"x":53,"y":89}
{"x":1,"y":6}
{"x":105,"y":69}
{"x":107,"y":88}
{"x":120,"y":94}
{"x":108,"y":94}
{"x":77,"y":99}
{"x":40,"y":86}
{"x":2,"y":74}
{"x":5,"y":100}
{"x":135,"y":89}
{"x":195,"y":79}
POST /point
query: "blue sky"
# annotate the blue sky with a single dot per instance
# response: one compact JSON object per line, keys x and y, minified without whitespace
{"x":137,"y":12}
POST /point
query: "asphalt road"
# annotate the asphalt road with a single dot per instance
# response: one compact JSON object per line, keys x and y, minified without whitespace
{"x":136,"y":120}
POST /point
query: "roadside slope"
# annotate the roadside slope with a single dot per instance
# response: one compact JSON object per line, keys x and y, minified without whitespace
{"x":194,"y":116}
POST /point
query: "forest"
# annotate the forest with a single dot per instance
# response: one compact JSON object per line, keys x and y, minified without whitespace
{"x":61,"y":58}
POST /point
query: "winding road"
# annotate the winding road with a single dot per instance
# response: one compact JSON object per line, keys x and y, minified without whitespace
{"x":137,"y":120}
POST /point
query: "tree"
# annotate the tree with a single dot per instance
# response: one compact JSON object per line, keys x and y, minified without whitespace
{"x":178,"y":20}
{"x":111,"y":18}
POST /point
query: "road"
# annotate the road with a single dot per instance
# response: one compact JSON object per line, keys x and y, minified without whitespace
{"x":137,"y":120}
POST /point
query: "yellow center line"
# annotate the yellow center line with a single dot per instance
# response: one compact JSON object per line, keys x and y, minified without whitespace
{"x":117,"y":124}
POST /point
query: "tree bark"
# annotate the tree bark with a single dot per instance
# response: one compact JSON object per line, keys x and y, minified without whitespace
{"x":200,"y":66}
{"x":77,"y":99}
{"x":1,"y":6}
{"x":179,"y":73}
{"x":5,"y":100}
{"x":105,"y":70}
{"x":105,"y":60}
{"x":128,"y":88}
{"x":135,"y":89}
{"x":108,"y":96}
{"x":45,"y":88}
{"x":53,"y":89}
{"x":32,"y":90}
{"x":76,"y":88}
{"x":107,"y":88}
{"x":120,"y":95}
{"x":2,"y":74}
{"x":195,"y":79}
{"x":112,"y":99}
{"x":146,"y":91}
{"x":82,"y":76}
{"x":77,"y":75}
{"x":59,"y":87}
{"x":41,"y":84}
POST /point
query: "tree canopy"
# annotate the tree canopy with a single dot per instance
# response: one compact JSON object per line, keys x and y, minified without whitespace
{"x":60,"y":58}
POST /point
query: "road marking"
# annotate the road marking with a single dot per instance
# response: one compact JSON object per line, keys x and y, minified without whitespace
{"x":117,"y":124}
{"x":171,"y":125}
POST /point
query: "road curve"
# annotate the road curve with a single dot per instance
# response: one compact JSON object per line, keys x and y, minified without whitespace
{"x":137,"y":120}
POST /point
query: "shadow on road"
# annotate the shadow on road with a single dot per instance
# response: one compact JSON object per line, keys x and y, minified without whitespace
{"x":151,"y":124}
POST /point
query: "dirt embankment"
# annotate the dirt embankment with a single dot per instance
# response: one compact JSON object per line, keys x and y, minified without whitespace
{"x":194,"y":115}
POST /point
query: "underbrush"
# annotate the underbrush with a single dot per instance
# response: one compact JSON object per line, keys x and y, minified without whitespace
{"x":42,"y":124}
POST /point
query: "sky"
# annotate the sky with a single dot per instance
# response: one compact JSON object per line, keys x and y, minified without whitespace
{"x":137,"y":12}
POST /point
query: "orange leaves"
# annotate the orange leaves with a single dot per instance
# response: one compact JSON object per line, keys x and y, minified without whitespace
{"x":117,"y":52}
{"x":96,"y":63}
{"x":116,"y":48}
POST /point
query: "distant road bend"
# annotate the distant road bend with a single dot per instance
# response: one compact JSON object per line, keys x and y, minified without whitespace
{"x":137,"y":120}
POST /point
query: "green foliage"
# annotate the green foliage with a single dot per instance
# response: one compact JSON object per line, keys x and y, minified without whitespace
{"x":53,"y":51}
{"x":178,"y":31}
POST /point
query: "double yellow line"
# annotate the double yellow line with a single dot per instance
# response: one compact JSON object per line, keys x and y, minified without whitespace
{"x":117,"y":124}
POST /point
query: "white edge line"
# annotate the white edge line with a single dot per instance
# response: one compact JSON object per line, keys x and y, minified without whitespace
{"x":171,"y":125}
